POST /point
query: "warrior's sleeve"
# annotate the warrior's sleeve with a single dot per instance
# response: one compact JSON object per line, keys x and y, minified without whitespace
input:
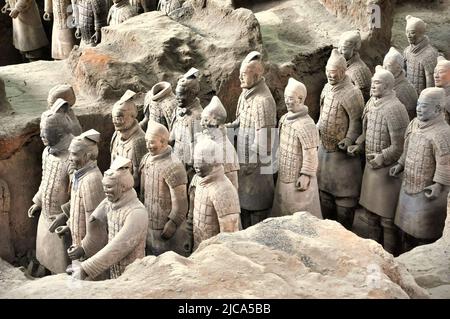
{"x":126,"y":240}
{"x":92,"y":192}
{"x":354,"y":108}
{"x":176,"y":178}
{"x":48,"y":6}
{"x":96,"y":231}
{"x":110,"y":12}
{"x":442,"y":154}
{"x":309,"y":140}
{"x":362,"y":138}
{"x":141,"y":175}
{"x":23,"y":5}
{"x":191,"y":197}
{"x":37,"y":199}
{"x":140,"y":149}
{"x":429,"y":65}
{"x":408,"y":132}
{"x":264,"y":122}
{"x":397,"y":121}
{"x":100,"y":13}
{"x":226,"y":205}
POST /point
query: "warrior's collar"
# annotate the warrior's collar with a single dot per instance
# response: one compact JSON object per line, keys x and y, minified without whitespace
{"x":216,"y":173}
{"x":292,"y":116}
{"x":417,"y":48}
{"x":167,"y":152}
{"x":256,"y":88}
{"x":380,"y":101}
{"x":124,"y":136}
{"x":353,"y":59}
{"x":126,"y":198}
{"x":78,"y":174}
{"x":182,"y":111}
{"x":345,"y":82}
{"x":438,"y":119}
{"x":62,"y":146}
{"x":400,"y":78}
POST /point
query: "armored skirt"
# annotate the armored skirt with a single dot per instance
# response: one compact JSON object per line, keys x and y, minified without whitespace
{"x":288,"y":200}
{"x":63,"y":40}
{"x":379,"y":191}
{"x":421,"y":217}
{"x":339,"y":174}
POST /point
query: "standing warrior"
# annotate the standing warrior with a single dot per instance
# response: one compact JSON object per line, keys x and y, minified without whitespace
{"x":420,"y":55}
{"x":126,"y":221}
{"x":187,"y":119}
{"x":384,"y":123}
{"x":442,"y":80}
{"x":216,"y":204}
{"x":119,"y":12}
{"x":53,"y":191}
{"x":87,"y":190}
{"x":404,"y":90}
{"x":213,"y":123}
{"x":159,"y":105}
{"x":297,"y":188}
{"x":63,"y":38}
{"x":129,"y":139}
{"x":255,"y":118}
{"x":339,"y":174}
{"x":28,"y":33}
{"x":421,"y":208}
{"x":90,"y":16}
{"x":163,"y":192}
{"x":357,"y":70}
{"x":65,"y":92}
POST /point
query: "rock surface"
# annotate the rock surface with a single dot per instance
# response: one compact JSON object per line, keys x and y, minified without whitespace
{"x":430,"y":264}
{"x":297,"y":256}
{"x":152,"y":47}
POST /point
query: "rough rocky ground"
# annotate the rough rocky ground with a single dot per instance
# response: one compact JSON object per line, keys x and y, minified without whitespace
{"x":297,"y":256}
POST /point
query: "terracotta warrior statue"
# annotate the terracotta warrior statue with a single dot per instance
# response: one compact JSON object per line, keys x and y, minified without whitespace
{"x":404,"y":90}
{"x":28,"y":33}
{"x":139,"y":6}
{"x":213,"y":121}
{"x":121,"y":10}
{"x":420,"y":55}
{"x":187,"y":119}
{"x":216,"y":205}
{"x":63,"y":38}
{"x":255,"y":119}
{"x":4,"y":103}
{"x":90,"y":16}
{"x":124,"y":218}
{"x":87,"y":189}
{"x":159,"y":105}
{"x":129,"y":139}
{"x":357,"y":70}
{"x":384,"y":123}
{"x":297,"y":188}
{"x":65,"y":92}
{"x":163,"y":192}
{"x":339,"y":174}
{"x":442,"y":80}
{"x":425,"y":163}
{"x":53,"y":191}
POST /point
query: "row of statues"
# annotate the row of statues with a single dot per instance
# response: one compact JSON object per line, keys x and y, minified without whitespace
{"x":72,"y":20}
{"x":177,"y":178}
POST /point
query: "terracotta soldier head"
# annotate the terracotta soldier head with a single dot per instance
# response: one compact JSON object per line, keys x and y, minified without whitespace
{"x":382,"y":82}
{"x":206,"y":157}
{"x":188,"y":88}
{"x":442,"y":73}
{"x":118,"y":179}
{"x":294,"y":95}
{"x":63,"y":91}
{"x":336,"y":67}
{"x":214,"y":114}
{"x":84,"y":149}
{"x":252,"y":70}
{"x":124,"y":112}
{"x":430,"y":103}
{"x":415,"y":29}
{"x":156,"y":137}
{"x":54,"y":127}
{"x":394,"y":62}
{"x":349,"y":44}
